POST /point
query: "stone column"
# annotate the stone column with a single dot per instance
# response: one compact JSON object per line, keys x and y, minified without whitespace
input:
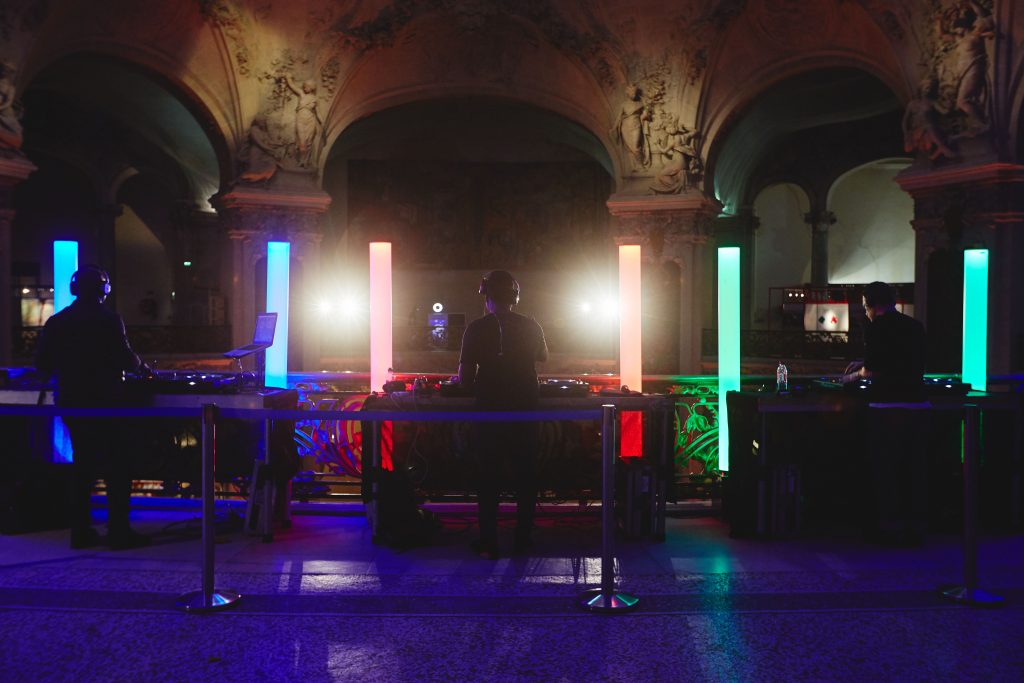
{"x":671,"y":230}
{"x":253,"y":217}
{"x":12,"y":171}
{"x":965,"y":207}
{"x":104,"y":219}
{"x":820,"y":221}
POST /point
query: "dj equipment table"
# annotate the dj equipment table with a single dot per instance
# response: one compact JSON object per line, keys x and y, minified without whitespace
{"x":434,"y":454}
{"x":776,"y":441}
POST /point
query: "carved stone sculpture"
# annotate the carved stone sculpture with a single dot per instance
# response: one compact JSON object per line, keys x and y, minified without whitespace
{"x":632,"y":128}
{"x":973,"y":28}
{"x":921,"y":132}
{"x":10,"y":123}
{"x":260,"y":154}
{"x":307,"y":121}
{"x":683,"y":167}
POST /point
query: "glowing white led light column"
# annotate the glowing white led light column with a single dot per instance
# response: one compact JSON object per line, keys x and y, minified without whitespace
{"x":630,"y":365}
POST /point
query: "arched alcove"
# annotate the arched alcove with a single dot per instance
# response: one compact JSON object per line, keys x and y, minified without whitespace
{"x":463,"y":186}
{"x":872,"y":238}
{"x":782,"y":246}
{"x":140,"y":159}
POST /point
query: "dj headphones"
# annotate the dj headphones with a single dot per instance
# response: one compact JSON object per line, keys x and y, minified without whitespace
{"x":93,"y":276}
{"x":500,"y":286}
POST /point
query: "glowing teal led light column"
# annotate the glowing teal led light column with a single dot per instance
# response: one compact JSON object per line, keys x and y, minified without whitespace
{"x":278,"y":255}
{"x":65,"y":263}
{"x":974,"y":370}
{"x":728,"y":342}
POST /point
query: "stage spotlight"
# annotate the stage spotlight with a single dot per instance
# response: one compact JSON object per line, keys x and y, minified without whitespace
{"x":351,"y":307}
{"x":585,"y":307}
{"x":437,"y":307}
{"x":324,"y":307}
{"x":610,"y":309}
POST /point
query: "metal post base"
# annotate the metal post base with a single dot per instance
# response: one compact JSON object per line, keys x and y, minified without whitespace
{"x":975,"y":597}
{"x":194,"y":601}
{"x":595,"y":600}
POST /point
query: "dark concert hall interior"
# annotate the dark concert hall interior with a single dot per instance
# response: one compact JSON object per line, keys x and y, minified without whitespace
{"x":511,"y":340}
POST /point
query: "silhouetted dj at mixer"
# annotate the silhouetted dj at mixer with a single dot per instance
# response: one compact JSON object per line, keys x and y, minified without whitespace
{"x":499,"y":353}
{"x":85,"y":346}
{"x":897,"y":417}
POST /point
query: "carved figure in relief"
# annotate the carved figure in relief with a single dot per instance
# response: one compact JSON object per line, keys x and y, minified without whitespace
{"x":10,"y":125}
{"x":632,"y":128}
{"x":920,"y":123}
{"x":683,"y":165}
{"x":973,"y":28}
{"x":259,"y":154}
{"x":307,"y":120}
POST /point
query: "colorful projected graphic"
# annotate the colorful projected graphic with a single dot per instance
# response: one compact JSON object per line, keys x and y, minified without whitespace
{"x":278,"y":257}
{"x":728,"y":341}
{"x":975,"y":350}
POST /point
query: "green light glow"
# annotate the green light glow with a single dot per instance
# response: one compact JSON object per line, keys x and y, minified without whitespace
{"x":728,"y":342}
{"x":974,"y":370}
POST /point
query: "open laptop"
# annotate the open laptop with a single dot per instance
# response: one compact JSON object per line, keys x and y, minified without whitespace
{"x":262,"y":336}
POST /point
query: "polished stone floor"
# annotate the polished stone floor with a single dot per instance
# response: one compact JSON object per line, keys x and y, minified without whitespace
{"x":322,"y":603}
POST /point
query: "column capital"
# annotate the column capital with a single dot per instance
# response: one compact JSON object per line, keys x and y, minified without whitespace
{"x":280,"y":214}
{"x":820,"y":220}
{"x":982,"y":194}
{"x":661,"y":225}
{"x":13,"y":170}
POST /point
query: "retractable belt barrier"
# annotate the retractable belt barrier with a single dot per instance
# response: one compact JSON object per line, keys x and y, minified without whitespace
{"x":208,"y":598}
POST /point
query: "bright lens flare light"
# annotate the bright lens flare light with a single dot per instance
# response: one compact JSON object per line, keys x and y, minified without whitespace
{"x":437,"y":307}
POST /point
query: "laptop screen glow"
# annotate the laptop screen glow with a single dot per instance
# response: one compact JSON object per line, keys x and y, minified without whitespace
{"x":266,"y":323}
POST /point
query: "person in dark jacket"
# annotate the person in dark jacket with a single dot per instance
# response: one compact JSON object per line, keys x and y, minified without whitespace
{"x":898,"y":419}
{"x":499,"y":353}
{"x":86,"y":348}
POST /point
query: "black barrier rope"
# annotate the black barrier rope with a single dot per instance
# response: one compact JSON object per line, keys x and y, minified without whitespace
{"x":209,"y":598}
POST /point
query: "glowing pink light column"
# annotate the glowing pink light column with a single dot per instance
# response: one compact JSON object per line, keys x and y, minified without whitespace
{"x":630,"y":363}
{"x":380,"y":314}
{"x":630,"y":369}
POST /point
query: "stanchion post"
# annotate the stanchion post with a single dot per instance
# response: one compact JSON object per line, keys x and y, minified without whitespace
{"x":208,"y":598}
{"x":969,"y":593}
{"x":375,"y":471}
{"x":605,"y":598}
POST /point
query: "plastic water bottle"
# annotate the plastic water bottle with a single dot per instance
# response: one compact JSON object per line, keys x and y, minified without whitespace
{"x":781,"y":378}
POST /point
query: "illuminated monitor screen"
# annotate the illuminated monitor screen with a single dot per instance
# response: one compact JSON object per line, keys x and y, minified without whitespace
{"x":266,"y":323}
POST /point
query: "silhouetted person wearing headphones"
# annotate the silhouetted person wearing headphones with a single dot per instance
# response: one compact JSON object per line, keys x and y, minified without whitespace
{"x":85,"y":346}
{"x":898,"y":419}
{"x":499,"y":352}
